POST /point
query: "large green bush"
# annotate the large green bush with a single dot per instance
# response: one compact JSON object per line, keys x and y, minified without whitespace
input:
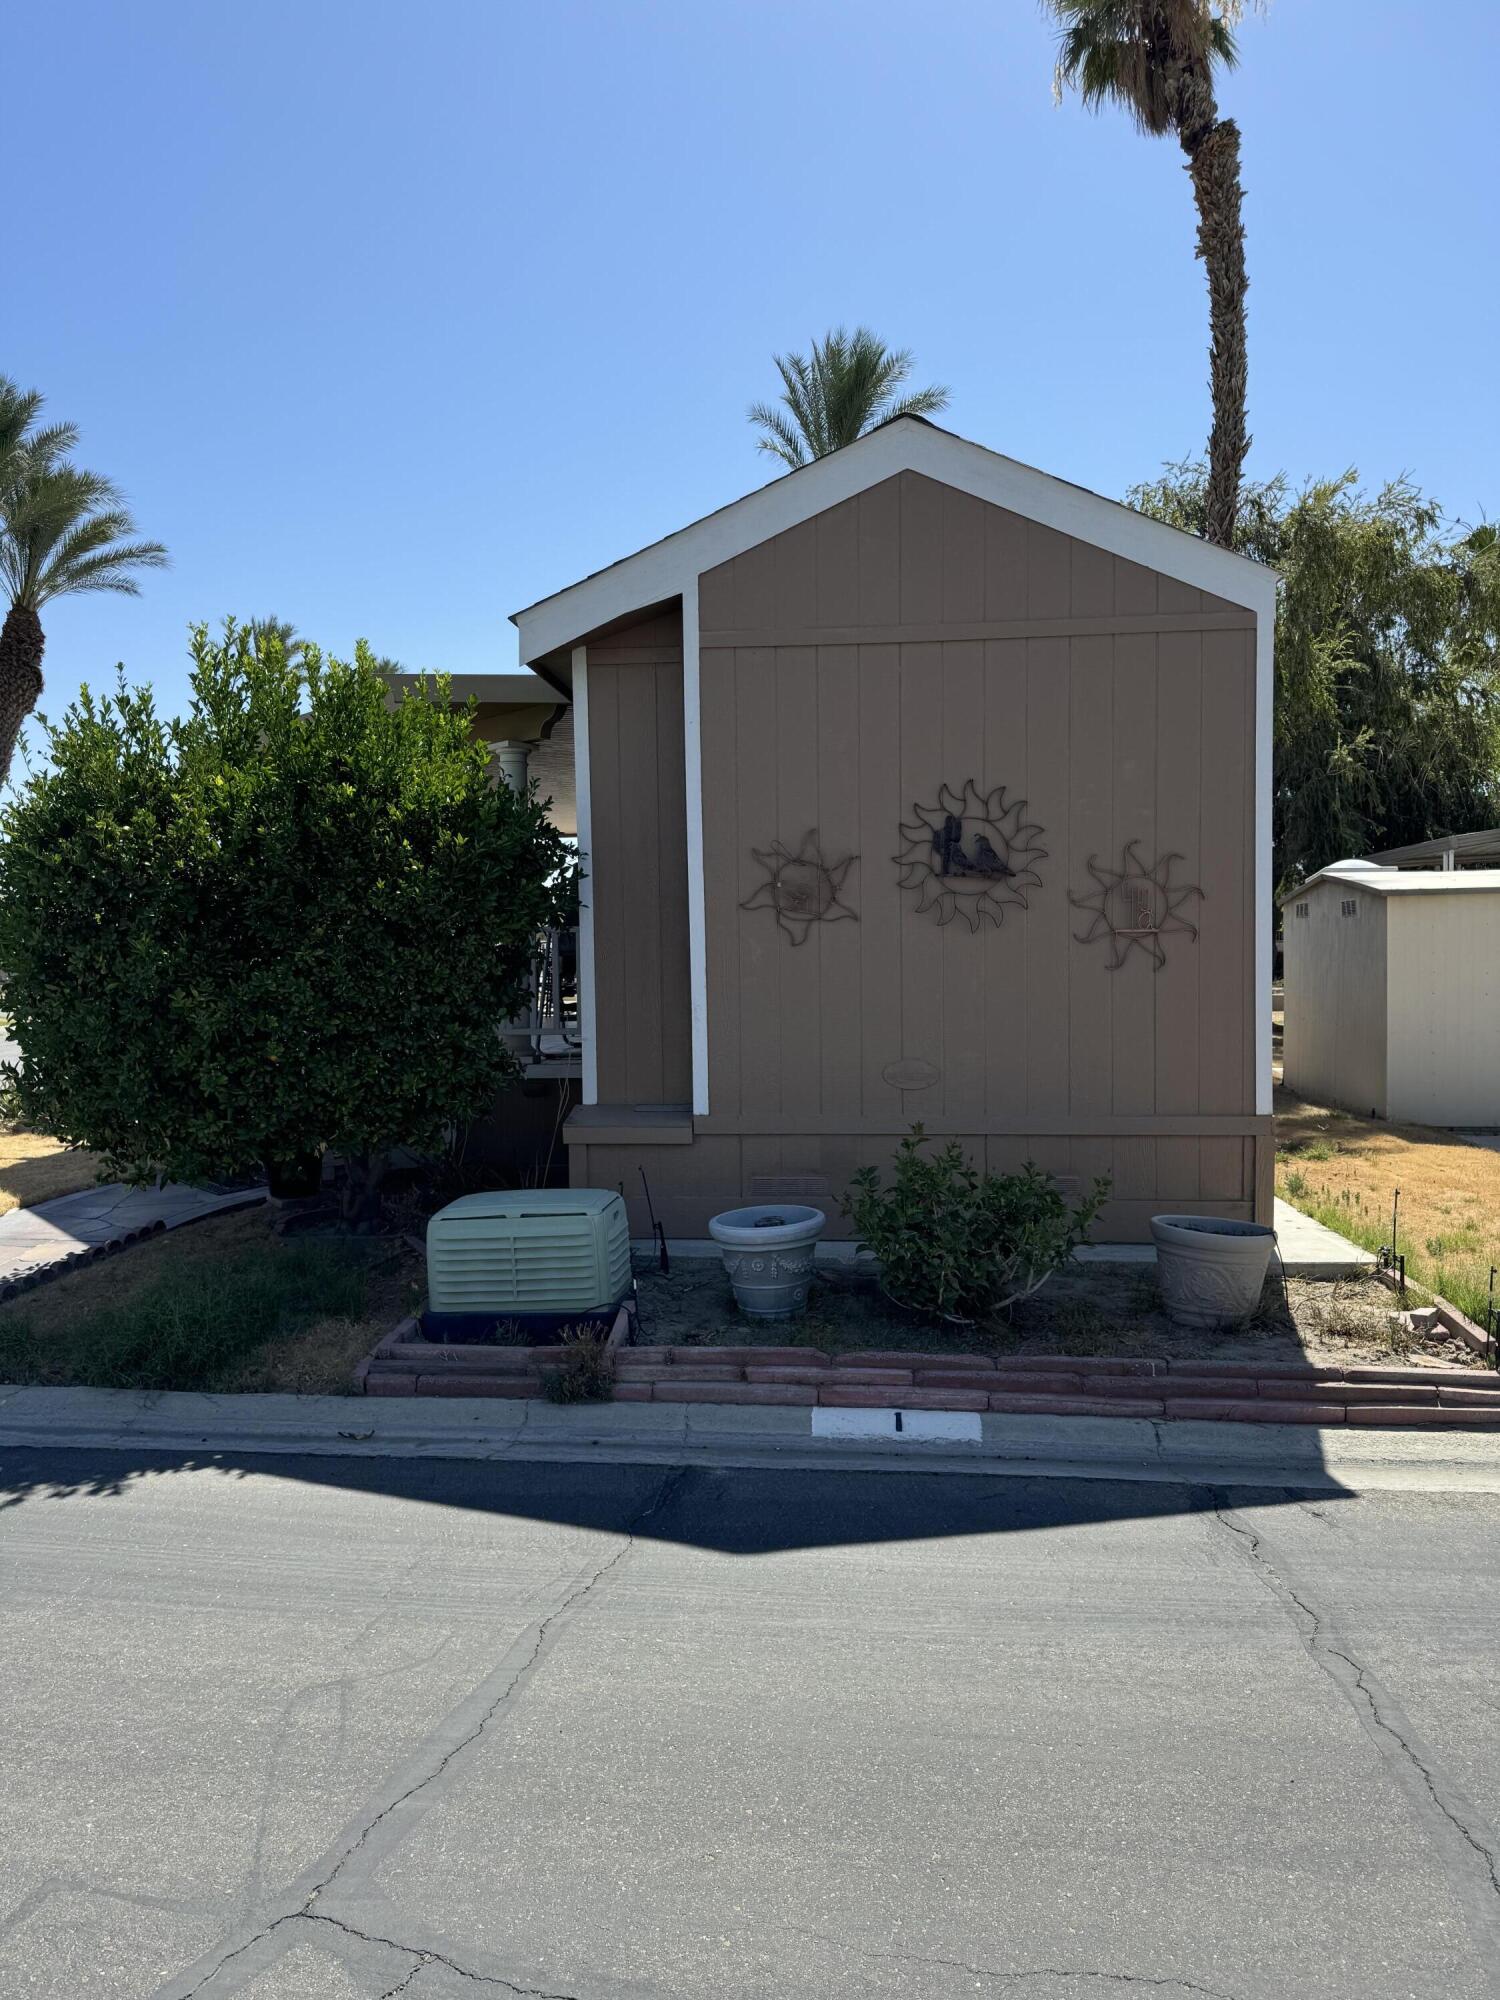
{"x":294,"y":919}
{"x":959,"y":1244}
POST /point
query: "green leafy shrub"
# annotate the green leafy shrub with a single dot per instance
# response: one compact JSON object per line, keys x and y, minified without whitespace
{"x":290,"y":921}
{"x":585,"y":1373}
{"x":960,"y":1244}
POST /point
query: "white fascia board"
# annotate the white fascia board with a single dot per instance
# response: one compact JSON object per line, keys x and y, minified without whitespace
{"x":692,"y":740}
{"x":1263,"y":956}
{"x":667,"y":567}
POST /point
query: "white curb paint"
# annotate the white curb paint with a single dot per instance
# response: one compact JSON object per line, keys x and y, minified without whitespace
{"x":916,"y":1427}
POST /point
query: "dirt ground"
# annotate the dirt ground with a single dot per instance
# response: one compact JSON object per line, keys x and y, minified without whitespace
{"x":1087,"y":1309}
{"x":1345,"y":1169}
{"x":34,"y":1169}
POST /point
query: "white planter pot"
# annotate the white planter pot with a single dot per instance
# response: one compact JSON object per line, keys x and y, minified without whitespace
{"x":768,"y":1254}
{"x":1211,"y":1271}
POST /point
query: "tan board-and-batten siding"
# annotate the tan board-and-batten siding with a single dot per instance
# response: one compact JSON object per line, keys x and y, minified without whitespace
{"x":636,"y":868}
{"x":910,"y":637}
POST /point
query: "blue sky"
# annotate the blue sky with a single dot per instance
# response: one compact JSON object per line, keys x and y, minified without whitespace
{"x":391,"y":319}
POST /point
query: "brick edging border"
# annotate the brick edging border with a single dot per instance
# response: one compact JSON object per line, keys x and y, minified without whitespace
{"x":887,"y":1379}
{"x":404,"y":1364}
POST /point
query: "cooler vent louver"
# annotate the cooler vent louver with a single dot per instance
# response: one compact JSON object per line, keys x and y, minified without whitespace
{"x":544,"y":1253}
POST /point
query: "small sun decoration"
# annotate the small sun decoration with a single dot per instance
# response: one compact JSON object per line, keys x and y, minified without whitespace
{"x":802,"y":888}
{"x":1135,"y":905}
{"x":971,"y":853}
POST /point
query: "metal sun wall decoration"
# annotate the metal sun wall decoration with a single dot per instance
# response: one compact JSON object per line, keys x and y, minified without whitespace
{"x":970,"y":854}
{"x":1135,"y":906}
{"x":801,"y":887}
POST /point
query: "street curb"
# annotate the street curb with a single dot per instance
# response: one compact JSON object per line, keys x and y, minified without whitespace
{"x":1081,"y":1447}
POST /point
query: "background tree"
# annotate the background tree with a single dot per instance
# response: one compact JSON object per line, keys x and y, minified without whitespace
{"x":1157,"y":59}
{"x":281,"y":631}
{"x":1387,"y":713}
{"x":846,"y":386}
{"x":293,"y":920}
{"x":62,"y":530}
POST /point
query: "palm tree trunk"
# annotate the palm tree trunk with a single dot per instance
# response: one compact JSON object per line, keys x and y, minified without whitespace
{"x":1214,"y":163}
{"x":21,"y":645}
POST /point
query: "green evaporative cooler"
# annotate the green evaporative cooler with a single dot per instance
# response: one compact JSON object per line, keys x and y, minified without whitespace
{"x":530,"y":1263}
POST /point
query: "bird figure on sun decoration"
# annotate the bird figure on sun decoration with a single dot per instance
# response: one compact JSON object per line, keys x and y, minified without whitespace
{"x":971,"y":854}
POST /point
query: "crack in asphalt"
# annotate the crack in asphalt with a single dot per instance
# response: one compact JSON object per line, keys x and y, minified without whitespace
{"x":522,"y":1673}
{"x":305,"y":1913}
{"x":1357,"y":1684}
{"x":1145,"y":1979}
{"x":425,"y":1956}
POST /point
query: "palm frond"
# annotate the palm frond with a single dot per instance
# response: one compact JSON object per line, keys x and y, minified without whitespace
{"x":65,"y":529}
{"x":1135,"y":53}
{"x":110,"y":569}
{"x":780,"y":437}
{"x":846,"y":384}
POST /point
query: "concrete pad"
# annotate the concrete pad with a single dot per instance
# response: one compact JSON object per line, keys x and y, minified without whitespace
{"x":1308,"y":1250}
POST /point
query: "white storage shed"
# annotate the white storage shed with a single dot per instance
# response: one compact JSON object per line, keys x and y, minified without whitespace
{"x":1392,"y":992}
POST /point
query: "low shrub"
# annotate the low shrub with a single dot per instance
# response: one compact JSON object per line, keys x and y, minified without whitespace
{"x":585,"y":1373}
{"x":959,"y":1244}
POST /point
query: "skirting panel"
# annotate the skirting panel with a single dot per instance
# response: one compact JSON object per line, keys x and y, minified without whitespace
{"x":1148,"y":1175}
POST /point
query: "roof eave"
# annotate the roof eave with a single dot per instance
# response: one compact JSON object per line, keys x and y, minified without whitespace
{"x":907,"y":444}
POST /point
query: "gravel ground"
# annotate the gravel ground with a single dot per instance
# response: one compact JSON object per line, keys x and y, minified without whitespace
{"x":1088,"y":1309}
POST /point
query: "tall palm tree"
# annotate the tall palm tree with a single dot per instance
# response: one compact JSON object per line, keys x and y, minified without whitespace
{"x":1157,"y":59}
{"x":829,"y":398}
{"x":62,"y":530}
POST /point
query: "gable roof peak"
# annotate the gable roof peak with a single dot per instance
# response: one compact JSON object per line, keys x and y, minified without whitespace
{"x":670,"y":567}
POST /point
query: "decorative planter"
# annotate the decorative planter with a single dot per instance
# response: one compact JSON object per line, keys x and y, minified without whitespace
{"x":1210,"y":1270}
{"x":768,"y":1254}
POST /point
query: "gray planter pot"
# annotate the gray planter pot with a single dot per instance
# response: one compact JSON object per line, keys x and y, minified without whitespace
{"x":1211,"y":1271}
{"x":768,"y":1254}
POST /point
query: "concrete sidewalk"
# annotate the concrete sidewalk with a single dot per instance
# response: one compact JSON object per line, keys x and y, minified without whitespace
{"x":1304,"y":1456}
{"x":74,"y":1227}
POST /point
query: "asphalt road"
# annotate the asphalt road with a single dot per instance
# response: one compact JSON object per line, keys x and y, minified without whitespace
{"x":334,"y":1729}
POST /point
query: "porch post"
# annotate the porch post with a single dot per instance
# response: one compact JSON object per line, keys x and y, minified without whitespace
{"x":509,"y":764}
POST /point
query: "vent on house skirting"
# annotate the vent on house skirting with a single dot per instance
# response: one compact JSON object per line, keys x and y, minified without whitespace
{"x":789,"y":1187}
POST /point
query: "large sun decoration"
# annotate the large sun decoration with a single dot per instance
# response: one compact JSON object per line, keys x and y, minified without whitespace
{"x":1134,"y":905}
{"x":971,"y":853}
{"x":801,"y":887}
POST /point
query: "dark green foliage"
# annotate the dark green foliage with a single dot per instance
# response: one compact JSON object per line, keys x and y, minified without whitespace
{"x":294,"y":919}
{"x":960,"y":1244}
{"x":1387,"y":722}
{"x":585,"y":1373}
{"x":190,"y":1329}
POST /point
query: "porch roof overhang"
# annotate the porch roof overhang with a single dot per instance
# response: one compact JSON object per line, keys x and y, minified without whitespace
{"x":668,"y":569}
{"x":519,"y":708}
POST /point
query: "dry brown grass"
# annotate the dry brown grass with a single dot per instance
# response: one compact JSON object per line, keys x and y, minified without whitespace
{"x":1344,"y":1170}
{"x":34,"y":1169}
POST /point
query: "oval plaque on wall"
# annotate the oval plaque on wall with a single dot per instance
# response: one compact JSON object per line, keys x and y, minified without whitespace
{"x":911,"y":1074}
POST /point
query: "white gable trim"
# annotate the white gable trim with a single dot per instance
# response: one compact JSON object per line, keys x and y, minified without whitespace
{"x":666,"y":568}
